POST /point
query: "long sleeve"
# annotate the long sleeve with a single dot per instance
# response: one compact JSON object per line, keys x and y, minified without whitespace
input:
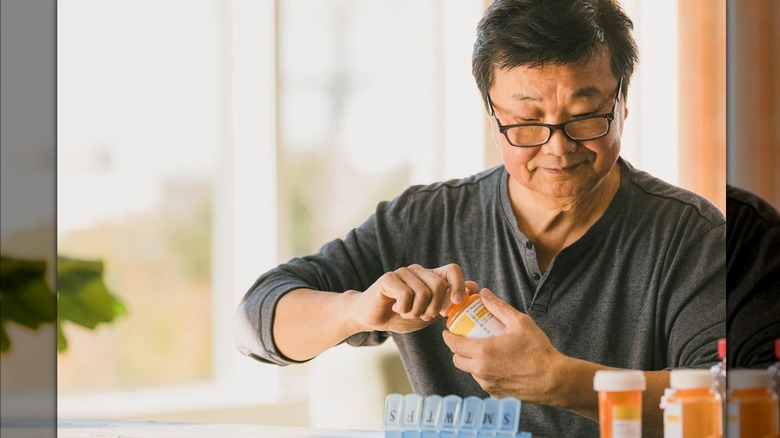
{"x":352,"y":263}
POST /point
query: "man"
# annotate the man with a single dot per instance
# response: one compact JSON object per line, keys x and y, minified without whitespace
{"x":753,"y":253}
{"x":590,"y":263}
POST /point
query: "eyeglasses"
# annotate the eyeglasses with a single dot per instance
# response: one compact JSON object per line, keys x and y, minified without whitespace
{"x":529,"y":135}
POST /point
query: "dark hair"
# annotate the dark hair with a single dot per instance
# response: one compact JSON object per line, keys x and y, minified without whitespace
{"x":535,"y":33}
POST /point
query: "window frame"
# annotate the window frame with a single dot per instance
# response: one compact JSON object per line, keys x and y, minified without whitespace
{"x":243,"y":232}
{"x":244,"y":227}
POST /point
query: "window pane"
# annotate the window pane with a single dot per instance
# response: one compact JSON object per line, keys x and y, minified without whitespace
{"x":137,"y":150}
{"x":374,"y":96}
{"x":358,"y":111}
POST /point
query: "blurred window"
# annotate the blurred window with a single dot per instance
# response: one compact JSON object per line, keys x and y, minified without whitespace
{"x":138,"y":149}
{"x":373,"y":96}
{"x":203,"y":143}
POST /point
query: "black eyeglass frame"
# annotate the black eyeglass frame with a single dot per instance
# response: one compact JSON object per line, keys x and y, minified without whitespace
{"x":562,"y":126}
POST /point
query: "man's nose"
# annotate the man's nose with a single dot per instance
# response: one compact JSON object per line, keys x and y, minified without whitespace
{"x":559,"y":144}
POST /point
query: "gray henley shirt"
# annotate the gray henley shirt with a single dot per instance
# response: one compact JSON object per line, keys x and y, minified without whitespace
{"x":643,"y":289}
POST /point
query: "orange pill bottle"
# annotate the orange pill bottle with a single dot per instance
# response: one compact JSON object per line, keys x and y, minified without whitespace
{"x":471,"y":319}
{"x":751,"y":405}
{"x":620,"y":402}
{"x":693,"y":409}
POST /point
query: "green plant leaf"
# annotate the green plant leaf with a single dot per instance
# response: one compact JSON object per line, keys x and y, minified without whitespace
{"x":5,"y":343}
{"x":25,"y":298}
{"x":62,"y":342}
{"x":83,"y":297}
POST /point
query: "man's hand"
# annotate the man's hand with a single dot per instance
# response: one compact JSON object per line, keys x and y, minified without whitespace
{"x":401,"y":301}
{"x":408,"y":299}
{"x":521,"y":362}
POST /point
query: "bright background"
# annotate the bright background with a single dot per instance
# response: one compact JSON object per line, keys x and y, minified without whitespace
{"x":202,"y":142}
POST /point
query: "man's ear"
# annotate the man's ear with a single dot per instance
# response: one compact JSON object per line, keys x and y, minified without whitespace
{"x":625,"y":106}
{"x":492,"y":131}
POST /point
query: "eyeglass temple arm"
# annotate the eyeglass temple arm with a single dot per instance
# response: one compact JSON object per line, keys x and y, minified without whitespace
{"x":491,"y":111}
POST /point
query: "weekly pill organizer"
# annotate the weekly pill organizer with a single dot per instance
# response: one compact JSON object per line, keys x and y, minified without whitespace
{"x":412,"y":416}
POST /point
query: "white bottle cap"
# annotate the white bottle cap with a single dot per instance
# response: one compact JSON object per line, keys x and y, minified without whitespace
{"x":749,"y":379}
{"x":691,"y":379}
{"x":668,"y":392}
{"x":628,"y":380}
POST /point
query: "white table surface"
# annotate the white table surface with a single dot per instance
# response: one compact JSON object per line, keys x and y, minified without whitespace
{"x":148,"y":429}
{"x":153,"y":429}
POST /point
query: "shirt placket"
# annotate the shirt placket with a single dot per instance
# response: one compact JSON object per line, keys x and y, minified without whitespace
{"x":539,"y":280}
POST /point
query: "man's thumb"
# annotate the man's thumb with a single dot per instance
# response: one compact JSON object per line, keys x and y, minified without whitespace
{"x":498,"y":307}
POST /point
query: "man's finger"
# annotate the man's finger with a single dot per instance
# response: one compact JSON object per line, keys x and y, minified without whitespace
{"x":463,"y":363}
{"x":422,"y":290}
{"x":459,"y":345}
{"x":454,"y":276}
{"x":438,"y":287}
{"x":401,"y":285}
{"x":499,"y":308}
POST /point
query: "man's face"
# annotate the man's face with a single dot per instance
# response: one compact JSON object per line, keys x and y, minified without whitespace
{"x":561,"y":168}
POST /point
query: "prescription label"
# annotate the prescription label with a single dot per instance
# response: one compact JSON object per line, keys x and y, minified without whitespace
{"x":732,"y":420}
{"x":627,"y":422}
{"x":673,"y":424}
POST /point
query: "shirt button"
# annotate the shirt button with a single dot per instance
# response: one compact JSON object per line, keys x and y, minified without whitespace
{"x":528,"y":244}
{"x":535,"y":276}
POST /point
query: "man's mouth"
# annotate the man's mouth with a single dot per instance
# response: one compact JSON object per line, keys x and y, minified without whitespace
{"x":562,"y":170}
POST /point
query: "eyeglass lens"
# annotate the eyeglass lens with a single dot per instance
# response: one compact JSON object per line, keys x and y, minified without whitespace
{"x":586,"y":129}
